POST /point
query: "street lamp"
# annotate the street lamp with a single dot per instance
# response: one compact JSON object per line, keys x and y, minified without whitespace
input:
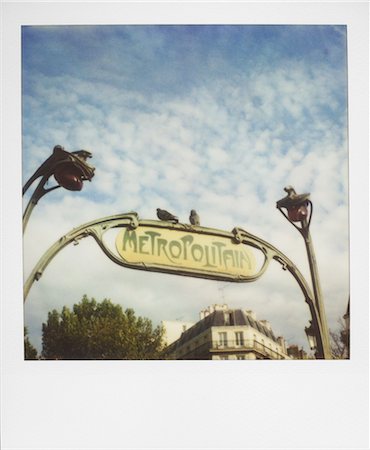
{"x":70,"y":169}
{"x":298,"y":210}
{"x":311,"y":336}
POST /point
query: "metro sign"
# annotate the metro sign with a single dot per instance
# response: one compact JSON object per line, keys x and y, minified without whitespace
{"x":174,"y":248}
{"x":193,"y":251}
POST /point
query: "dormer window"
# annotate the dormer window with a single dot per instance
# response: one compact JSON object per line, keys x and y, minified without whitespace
{"x":228,"y":318}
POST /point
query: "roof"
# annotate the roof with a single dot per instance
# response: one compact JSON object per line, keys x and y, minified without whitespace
{"x":230,"y":317}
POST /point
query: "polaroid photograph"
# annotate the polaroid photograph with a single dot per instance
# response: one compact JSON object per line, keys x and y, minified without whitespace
{"x":190,"y":215}
{"x":212,"y":123}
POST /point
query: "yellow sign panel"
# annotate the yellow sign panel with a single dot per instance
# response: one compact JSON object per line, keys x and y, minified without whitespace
{"x":185,"y":251}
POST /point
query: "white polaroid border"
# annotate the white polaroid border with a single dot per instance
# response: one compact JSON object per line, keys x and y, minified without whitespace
{"x":183,"y":404}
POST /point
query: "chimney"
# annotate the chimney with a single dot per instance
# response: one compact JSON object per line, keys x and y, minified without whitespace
{"x":266,"y":324}
{"x":210,"y":309}
{"x":251,"y":314}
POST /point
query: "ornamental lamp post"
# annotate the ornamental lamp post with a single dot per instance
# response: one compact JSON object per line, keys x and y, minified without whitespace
{"x":70,"y":170}
{"x":298,"y":210}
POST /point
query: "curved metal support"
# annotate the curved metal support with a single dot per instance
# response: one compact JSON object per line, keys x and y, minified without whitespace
{"x":304,"y":229}
{"x":94,"y":229}
{"x":58,"y":158}
{"x":97,"y":228}
{"x":273,"y":253}
{"x":39,"y":192}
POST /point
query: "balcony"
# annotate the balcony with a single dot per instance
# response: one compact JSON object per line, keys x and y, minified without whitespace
{"x":233,"y":346}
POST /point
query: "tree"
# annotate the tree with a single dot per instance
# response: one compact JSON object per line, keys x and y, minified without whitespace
{"x":338,"y":340}
{"x":29,"y":350}
{"x":102,"y":330}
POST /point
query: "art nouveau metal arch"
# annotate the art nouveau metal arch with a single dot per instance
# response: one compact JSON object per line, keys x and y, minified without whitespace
{"x":238,"y":237}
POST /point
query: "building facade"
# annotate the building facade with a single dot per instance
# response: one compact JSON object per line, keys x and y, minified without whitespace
{"x":224,"y":333}
{"x":296,"y":353}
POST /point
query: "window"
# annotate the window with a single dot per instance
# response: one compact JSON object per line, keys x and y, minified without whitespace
{"x":222,"y":339}
{"x":239,"y":338}
{"x":228,"y":318}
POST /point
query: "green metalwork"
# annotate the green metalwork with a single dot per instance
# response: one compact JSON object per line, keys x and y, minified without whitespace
{"x":60,"y":159}
{"x":98,"y":228}
{"x":71,"y":169}
{"x":292,"y":202}
{"x":322,"y":351}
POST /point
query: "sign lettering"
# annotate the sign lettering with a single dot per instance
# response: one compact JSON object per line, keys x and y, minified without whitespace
{"x":185,"y":250}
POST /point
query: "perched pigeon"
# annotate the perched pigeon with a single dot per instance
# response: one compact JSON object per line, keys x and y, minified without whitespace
{"x":292,"y":198}
{"x":194,"y":218}
{"x":83,"y":154}
{"x":165,"y":215}
{"x":290,"y":191}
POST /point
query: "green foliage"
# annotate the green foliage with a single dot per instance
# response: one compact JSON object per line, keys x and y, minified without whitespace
{"x":29,"y":350}
{"x":102,"y":330}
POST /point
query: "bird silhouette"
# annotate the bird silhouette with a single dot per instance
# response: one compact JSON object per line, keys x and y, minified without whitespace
{"x":290,"y":191}
{"x":162,"y":214}
{"x":83,"y":154}
{"x":292,"y":198}
{"x":194,"y":217}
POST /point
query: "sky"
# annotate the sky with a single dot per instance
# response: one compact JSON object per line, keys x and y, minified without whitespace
{"x":214,"y":118}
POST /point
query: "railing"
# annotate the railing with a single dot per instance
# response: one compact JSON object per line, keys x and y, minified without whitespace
{"x":245,"y":345}
{"x":206,"y":348}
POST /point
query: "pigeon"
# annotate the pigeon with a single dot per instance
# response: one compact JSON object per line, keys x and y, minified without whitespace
{"x":292,"y":198}
{"x":83,"y":154}
{"x":162,"y":214}
{"x":194,"y":218}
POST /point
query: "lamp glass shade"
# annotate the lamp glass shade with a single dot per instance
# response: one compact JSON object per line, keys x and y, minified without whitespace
{"x":298,"y":213}
{"x":311,"y":338}
{"x":69,"y":177}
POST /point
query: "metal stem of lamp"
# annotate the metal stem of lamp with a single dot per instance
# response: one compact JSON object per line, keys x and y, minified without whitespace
{"x":299,"y":210}
{"x":69,"y":170}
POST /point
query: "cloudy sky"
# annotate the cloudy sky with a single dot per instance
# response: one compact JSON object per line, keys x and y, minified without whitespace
{"x":215,"y":118}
